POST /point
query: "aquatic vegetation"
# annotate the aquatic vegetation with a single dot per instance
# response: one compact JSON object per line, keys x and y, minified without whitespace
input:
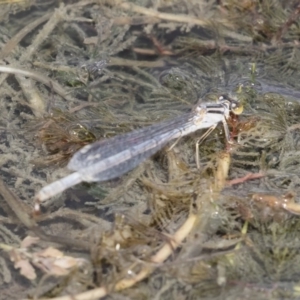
{"x":61,"y":135}
{"x":73,"y":72}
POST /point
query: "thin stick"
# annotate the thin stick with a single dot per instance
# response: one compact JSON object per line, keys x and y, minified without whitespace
{"x":38,"y":77}
{"x":166,"y":16}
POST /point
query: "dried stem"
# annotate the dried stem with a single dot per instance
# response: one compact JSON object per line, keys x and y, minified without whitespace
{"x":38,"y":77}
{"x":168,"y":17}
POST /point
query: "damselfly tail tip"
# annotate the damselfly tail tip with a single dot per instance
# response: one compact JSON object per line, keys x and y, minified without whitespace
{"x":37,"y":207}
{"x":40,"y":197}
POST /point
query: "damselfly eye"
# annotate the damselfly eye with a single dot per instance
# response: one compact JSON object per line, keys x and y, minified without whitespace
{"x":235,"y":106}
{"x":223,"y":97}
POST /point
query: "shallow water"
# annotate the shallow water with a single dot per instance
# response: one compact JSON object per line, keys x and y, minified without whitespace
{"x":96,"y":72}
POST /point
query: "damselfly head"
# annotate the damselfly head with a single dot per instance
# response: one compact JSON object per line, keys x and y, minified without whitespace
{"x":233,"y":105}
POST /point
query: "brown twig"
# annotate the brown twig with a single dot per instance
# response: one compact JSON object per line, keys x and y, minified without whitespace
{"x":292,"y":18}
{"x":247,"y":177}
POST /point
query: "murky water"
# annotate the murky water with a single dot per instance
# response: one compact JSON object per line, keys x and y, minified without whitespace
{"x":76,"y":72}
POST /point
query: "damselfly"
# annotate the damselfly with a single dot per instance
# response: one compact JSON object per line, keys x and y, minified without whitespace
{"x":111,"y":158}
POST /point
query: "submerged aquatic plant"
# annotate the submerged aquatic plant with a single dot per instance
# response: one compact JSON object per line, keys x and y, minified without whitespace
{"x":111,"y":67}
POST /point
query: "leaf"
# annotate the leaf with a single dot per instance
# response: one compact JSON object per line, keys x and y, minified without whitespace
{"x":28,"y":241}
{"x":51,"y":252}
{"x":26,"y":269}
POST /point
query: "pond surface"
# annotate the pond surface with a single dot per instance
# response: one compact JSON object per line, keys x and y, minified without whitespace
{"x":76,"y":72}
